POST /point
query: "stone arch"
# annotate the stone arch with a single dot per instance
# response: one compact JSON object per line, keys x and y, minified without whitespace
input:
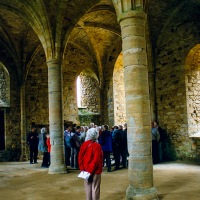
{"x":192,"y":82}
{"x":4,"y":86}
{"x":119,"y":91}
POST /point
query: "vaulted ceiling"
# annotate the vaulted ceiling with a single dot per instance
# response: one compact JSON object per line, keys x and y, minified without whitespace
{"x":25,"y":26}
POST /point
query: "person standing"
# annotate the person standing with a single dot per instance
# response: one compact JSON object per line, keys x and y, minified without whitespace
{"x":43,"y":147}
{"x":32,"y":141}
{"x":124,"y":149}
{"x":155,"y":140}
{"x":67,"y":137}
{"x":90,"y":159}
{"x":105,"y":140}
{"x":117,"y":145}
{"x":48,"y":142}
{"x":75,"y":142}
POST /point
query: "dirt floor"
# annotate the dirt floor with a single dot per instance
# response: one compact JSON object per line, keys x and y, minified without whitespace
{"x":22,"y":181}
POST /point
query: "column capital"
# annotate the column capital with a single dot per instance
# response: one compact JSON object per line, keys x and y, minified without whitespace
{"x":132,"y":14}
{"x":54,"y":60}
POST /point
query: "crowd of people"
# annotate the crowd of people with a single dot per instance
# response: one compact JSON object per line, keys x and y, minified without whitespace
{"x":113,"y":141}
{"x":89,"y":148}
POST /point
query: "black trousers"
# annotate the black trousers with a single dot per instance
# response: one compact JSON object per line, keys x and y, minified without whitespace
{"x":33,"y":153}
{"x":67,"y":155}
{"x":45,"y":161}
{"x":155,"y":154}
{"x":106,"y":156}
{"x":116,"y":154}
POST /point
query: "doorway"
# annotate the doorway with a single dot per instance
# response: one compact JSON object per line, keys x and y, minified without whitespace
{"x":2,"y":131}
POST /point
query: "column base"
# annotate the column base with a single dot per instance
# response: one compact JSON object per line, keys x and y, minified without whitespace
{"x":57,"y":169}
{"x":141,"y":194}
{"x":23,"y":158}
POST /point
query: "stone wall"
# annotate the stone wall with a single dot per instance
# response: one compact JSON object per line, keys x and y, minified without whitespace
{"x":173,"y":45}
{"x":37,"y":106}
{"x":90,"y":93}
{"x":69,"y":96}
{"x":12,"y":124}
{"x":193,"y":90}
{"x":110,"y":103}
{"x":75,"y":61}
{"x":119,"y":92}
{"x":4,"y":87}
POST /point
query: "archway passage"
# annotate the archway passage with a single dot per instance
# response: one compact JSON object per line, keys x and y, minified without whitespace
{"x":2,"y":131}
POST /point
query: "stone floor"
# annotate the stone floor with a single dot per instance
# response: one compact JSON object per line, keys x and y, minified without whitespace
{"x":22,"y":181}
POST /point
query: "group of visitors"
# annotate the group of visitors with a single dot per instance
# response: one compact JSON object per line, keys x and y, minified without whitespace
{"x":111,"y":141}
{"x":89,"y":149}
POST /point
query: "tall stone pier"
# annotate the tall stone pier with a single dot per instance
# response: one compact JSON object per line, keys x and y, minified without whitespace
{"x":56,"y":117}
{"x":140,"y":170}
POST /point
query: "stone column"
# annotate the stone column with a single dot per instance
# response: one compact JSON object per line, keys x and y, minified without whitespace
{"x":137,"y":105}
{"x":151,"y":70}
{"x":56,"y":116}
{"x":23,"y":155}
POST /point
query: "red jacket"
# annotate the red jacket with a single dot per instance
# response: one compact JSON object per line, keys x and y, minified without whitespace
{"x":90,"y":157}
{"x":48,"y":144}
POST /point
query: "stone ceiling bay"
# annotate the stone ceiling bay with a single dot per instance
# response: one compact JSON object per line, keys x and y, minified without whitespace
{"x":103,"y":31}
{"x":160,"y":13}
{"x":19,"y":40}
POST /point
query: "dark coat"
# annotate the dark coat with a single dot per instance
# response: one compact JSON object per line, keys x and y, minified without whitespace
{"x":32,"y":139}
{"x":105,"y":140}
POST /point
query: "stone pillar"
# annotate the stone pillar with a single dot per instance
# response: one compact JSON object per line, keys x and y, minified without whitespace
{"x":152,"y":74}
{"x":137,"y":105}
{"x":56,"y":116}
{"x":23,"y":155}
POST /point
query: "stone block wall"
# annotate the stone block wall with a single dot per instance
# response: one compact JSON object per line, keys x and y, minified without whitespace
{"x":4,"y":87}
{"x":193,"y":90}
{"x":12,"y":124}
{"x":90,"y":93}
{"x":119,"y":92}
{"x":172,"y":48}
{"x":69,"y":96}
{"x":36,"y":92}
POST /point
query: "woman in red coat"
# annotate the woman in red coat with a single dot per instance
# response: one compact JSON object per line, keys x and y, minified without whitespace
{"x":49,"y":148}
{"x":90,"y":159}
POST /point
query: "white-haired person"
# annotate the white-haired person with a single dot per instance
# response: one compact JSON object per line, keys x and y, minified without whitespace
{"x":42,"y":146}
{"x":90,"y":159}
